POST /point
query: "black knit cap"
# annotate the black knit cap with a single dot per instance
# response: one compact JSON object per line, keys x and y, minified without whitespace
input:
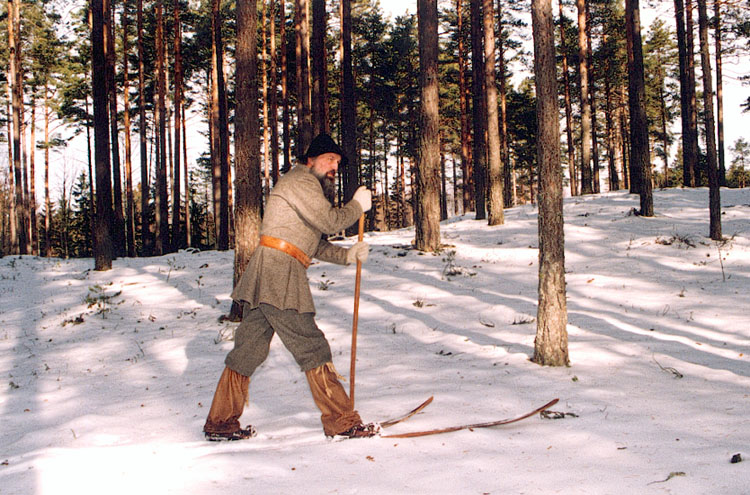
{"x":323,"y":143}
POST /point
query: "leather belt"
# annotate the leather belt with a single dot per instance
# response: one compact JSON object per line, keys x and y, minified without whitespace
{"x":287,"y":248}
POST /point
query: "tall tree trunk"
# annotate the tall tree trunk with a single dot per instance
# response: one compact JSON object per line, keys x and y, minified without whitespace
{"x":129,"y":206}
{"x":551,"y":342}
{"x":688,"y":163}
{"x":33,"y":233}
{"x":508,"y":196}
{"x":467,"y":191}
{"x":592,"y":95}
{"x":714,"y":201}
{"x":16,"y":84}
{"x":222,"y":126}
{"x":614,"y":181}
{"x":319,"y":57}
{"x":186,"y":175}
{"x":479,"y":115}
{"x":640,"y":166}
{"x":693,"y":150}
{"x":177,"y":241}
{"x":103,"y":237}
{"x":428,"y":171}
{"x":146,"y":244}
{"x":249,"y":196}
{"x":304,"y":106}
{"x":568,"y":108}
{"x":118,"y":237}
{"x":495,"y":201}
{"x":583,"y":71}
{"x":13,"y":241}
{"x":47,"y":199}
{"x":348,"y":105}
{"x":719,"y":93}
{"x":264,"y":98}
{"x":285,"y":124}
{"x":273,"y":96}
{"x":161,"y":245}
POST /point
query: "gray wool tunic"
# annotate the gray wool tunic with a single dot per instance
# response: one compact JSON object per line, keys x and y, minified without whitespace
{"x":299,"y":213}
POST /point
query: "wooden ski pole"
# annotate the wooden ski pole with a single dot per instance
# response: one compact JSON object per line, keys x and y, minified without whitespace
{"x":355,"y":319}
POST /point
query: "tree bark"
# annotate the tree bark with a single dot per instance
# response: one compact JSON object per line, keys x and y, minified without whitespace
{"x":568,"y":108}
{"x":129,"y":206}
{"x":249,"y":197}
{"x":467,"y":191}
{"x":319,"y":79}
{"x":285,"y":125}
{"x":719,"y":93}
{"x":714,"y":201}
{"x":146,"y":244}
{"x":222,"y":129}
{"x":304,"y":105}
{"x":428,"y":170}
{"x":495,"y":201}
{"x":640,"y":166}
{"x":177,"y":240}
{"x":479,"y":115}
{"x":693,"y":149}
{"x":103,"y":238}
{"x":592,"y":96}
{"x":348,"y":105}
{"x":583,"y":62}
{"x":16,"y":84}
{"x":161,"y":245}
{"x":551,"y":342}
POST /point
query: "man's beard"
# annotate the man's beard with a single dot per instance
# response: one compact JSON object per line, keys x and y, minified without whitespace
{"x":328,"y":184}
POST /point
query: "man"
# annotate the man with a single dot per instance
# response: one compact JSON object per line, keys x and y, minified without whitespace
{"x":276,"y":298}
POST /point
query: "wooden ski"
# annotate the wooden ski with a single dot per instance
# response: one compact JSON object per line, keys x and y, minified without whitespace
{"x":394,"y":421}
{"x":471,"y":426}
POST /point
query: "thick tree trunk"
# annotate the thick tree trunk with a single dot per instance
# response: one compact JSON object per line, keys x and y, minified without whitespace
{"x":495,"y":201}
{"x":551,"y":342}
{"x":103,"y":238}
{"x":428,"y":170}
{"x":714,"y":201}
{"x":583,"y":71}
{"x":348,"y":105}
{"x":640,"y":165}
{"x":479,"y":115}
{"x":249,"y":196}
{"x":118,"y":237}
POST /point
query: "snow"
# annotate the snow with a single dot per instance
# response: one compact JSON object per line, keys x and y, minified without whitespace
{"x":658,"y":388}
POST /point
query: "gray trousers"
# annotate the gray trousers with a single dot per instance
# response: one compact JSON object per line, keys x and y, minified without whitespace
{"x":297,"y":331}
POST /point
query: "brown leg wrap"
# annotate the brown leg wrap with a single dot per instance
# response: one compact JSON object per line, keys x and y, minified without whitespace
{"x":331,"y":398}
{"x":229,"y":401}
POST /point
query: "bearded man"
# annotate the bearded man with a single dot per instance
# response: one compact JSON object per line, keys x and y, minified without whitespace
{"x":276,"y":299}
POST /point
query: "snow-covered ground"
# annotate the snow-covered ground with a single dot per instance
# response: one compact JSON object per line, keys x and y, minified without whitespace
{"x":107,"y":376}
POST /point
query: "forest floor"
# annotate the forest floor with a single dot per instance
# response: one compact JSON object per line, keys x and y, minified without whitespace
{"x":107,"y":376}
